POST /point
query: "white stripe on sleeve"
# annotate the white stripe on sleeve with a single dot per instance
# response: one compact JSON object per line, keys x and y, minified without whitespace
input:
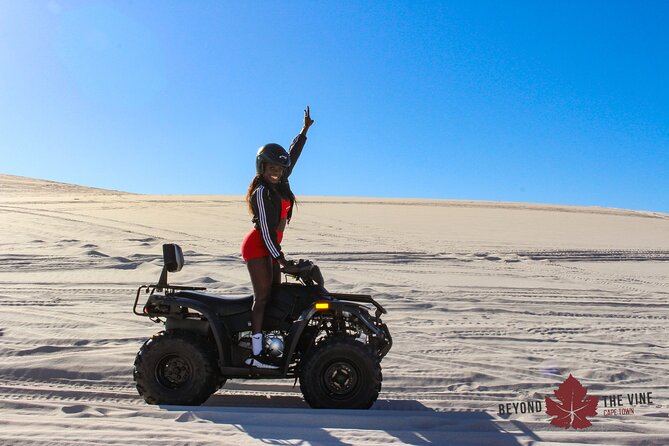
{"x":263,"y":223}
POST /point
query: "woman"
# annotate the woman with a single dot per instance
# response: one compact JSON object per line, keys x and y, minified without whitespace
{"x":271,"y":202}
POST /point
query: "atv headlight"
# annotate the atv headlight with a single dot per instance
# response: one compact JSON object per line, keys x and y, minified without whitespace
{"x":322,"y":305}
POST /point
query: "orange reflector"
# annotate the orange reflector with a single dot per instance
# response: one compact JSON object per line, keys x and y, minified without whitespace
{"x":322,"y":305}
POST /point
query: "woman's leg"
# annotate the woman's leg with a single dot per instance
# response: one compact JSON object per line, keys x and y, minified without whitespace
{"x":276,"y":273}
{"x":261,"y":272}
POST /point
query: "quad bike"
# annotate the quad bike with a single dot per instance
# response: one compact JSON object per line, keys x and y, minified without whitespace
{"x":330,"y":341}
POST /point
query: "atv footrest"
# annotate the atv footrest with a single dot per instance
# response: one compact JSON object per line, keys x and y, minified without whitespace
{"x":250,"y":372}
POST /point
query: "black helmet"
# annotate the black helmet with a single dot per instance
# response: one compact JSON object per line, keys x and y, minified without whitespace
{"x":273,"y":154}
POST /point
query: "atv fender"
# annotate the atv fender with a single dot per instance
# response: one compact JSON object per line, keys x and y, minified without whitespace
{"x":218,"y":329}
{"x":380,"y":333}
{"x":303,"y":320}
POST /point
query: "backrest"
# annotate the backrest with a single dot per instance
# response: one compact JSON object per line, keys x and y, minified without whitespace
{"x":173,"y":257}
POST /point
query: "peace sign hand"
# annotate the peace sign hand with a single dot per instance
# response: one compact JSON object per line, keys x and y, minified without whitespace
{"x":307,"y":118}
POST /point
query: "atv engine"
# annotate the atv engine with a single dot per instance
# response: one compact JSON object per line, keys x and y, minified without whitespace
{"x":273,"y":341}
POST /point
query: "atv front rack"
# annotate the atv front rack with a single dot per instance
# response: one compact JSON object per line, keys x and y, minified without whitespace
{"x":365,"y":298}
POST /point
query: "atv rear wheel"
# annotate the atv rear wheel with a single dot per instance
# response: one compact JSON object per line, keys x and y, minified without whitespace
{"x":341,"y":374}
{"x":176,"y":367}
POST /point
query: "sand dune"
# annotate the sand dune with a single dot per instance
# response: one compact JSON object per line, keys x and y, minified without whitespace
{"x":489,"y":303}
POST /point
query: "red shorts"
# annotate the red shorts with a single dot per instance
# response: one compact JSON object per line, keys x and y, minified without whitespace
{"x":254,"y":247}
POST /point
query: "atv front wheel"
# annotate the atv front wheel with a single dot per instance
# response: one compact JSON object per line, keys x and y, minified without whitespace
{"x":341,"y":374}
{"x":176,"y":367}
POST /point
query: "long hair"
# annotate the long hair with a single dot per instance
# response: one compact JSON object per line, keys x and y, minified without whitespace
{"x":283,"y":188}
{"x":253,"y":186}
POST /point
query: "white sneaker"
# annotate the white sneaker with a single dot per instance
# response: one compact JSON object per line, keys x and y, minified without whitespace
{"x":259,"y":362}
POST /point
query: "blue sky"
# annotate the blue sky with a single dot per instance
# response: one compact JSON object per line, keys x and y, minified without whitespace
{"x":561,"y":102}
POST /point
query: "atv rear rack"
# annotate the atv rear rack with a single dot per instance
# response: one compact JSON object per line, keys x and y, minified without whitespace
{"x":160,"y":287}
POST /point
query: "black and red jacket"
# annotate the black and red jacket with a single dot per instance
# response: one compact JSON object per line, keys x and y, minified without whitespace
{"x":266,"y":202}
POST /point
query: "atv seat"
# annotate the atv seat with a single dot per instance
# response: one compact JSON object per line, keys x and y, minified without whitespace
{"x":223,"y":305}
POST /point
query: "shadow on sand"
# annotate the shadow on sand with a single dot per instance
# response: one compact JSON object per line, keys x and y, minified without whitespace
{"x":282,"y":420}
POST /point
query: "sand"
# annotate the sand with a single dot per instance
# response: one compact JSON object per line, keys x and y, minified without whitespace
{"x":489,"y":304}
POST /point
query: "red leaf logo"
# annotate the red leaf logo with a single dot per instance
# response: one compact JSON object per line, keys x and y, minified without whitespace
{"x":575,"y":405}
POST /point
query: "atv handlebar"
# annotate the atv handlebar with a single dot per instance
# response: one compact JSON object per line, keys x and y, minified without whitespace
{"x":296,"y":267}
{"x":305,"y":270}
